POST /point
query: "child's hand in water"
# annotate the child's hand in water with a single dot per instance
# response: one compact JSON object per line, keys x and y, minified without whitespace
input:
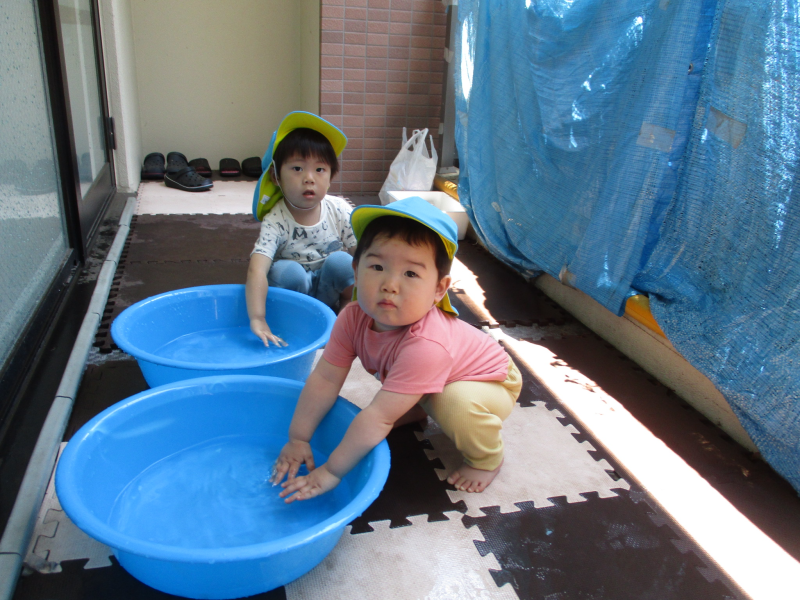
{"x":308,"y":486}
{"x":292,"y":456}
{"x":261,"y":329}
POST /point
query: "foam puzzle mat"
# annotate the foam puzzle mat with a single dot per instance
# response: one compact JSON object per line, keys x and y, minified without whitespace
{"x":563,"y":519}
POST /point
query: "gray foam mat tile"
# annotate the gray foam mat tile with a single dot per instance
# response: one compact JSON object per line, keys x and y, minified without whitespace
{"x":426,"y":560}
{"x":542,"y":459}
{"x":56,"y":538}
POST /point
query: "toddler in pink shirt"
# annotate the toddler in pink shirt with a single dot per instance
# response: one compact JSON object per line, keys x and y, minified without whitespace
{"x":404,"y":329}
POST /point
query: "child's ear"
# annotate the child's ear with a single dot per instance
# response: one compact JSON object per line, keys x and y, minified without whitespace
{"x":442,"y":287}
{"x":272,"y":174}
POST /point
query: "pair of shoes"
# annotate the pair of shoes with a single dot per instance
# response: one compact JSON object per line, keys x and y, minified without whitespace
{"x":182,"y":176}
{"x":229,"y":167}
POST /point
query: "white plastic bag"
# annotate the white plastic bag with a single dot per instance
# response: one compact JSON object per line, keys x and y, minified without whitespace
{"x":413,"y":168}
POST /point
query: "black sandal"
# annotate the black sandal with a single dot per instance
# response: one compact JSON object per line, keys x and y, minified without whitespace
{"x":252,"y":166}
{"x":229,"y":167}
{"x":188,"y":180}
{"x":176,"y":161}
{"x":153,"y":166}
{"x":201,"y":166}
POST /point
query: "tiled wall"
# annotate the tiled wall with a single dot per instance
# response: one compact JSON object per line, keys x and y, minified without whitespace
{"x":382,"y":69}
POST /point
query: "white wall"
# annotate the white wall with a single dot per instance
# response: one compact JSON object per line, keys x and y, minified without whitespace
{"x":116,"y":28}
{"x":310,"y":38}
{"x":215,"y":77}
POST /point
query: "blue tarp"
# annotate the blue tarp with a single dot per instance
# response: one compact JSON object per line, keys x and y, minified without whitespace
{"x":628,"y":147}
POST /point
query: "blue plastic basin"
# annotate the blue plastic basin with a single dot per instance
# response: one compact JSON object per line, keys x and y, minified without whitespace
{"x":174,"y":480}
{"x":202,"y":331}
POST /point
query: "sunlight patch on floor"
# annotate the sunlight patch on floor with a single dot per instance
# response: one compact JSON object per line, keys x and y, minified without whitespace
{"x":755,"y":562}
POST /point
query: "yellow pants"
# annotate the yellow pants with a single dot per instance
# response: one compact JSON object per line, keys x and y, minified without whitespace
{"x":471,"y":413}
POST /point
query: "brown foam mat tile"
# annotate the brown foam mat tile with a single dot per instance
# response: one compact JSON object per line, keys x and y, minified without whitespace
{"x":508,"y":298}
{"x":465,"y":310}
{"x":164,"y":238}
{"x":108,"y":379}
{"x":171,"y":252}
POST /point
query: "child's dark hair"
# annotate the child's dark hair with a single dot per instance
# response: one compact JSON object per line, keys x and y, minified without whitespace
{"x":306,"y":143}
{"x":410,"y":231}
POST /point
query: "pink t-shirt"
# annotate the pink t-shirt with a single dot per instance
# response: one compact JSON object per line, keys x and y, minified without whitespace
{"x":420,"y":358}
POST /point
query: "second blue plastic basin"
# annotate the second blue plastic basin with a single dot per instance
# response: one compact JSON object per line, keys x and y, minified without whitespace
{"x":202,"y":331}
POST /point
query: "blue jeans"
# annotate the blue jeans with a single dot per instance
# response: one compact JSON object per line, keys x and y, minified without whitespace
{"x":325,"y":284}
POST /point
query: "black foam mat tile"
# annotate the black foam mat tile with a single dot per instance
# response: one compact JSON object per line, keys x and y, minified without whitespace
{"x":614,"y":548}
{"x":602,"y":548}
{"x":413,"y":488}
{"x":107,"y":583}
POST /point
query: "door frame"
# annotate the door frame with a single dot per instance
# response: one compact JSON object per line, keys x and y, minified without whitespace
{"x":104,"y":186}
{"x":14,"y":376}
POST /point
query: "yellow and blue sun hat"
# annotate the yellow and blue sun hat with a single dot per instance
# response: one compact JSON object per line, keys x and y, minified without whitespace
{"x":267,"y":193}
{"x":419,"y":210}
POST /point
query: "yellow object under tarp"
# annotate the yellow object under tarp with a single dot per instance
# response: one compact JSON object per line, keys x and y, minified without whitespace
{"x":638,"y":307}
{"x":445,"y":185}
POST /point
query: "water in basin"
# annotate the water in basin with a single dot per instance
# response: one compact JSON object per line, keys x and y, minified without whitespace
{"x":226,"y":345}
{"x":217,"y":495}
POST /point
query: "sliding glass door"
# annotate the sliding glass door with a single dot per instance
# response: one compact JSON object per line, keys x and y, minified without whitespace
{"x":33,"y":239}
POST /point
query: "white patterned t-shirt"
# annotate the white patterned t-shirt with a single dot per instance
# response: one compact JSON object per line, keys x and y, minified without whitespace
{"x":283,"y":238}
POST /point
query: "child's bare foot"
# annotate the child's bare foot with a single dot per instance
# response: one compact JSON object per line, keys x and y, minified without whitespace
{"x":470,"y":479}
